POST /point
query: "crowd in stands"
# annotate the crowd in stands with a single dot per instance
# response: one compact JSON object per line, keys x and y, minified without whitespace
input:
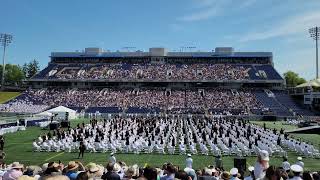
{"x":36,"y":100}
{"x":152,"y":72}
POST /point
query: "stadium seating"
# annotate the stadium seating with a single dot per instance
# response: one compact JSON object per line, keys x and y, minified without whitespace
{"x":159,"y":71}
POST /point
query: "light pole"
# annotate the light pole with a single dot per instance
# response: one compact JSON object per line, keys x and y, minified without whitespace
{"x":5,"y":40}
{"x":315,"y":33}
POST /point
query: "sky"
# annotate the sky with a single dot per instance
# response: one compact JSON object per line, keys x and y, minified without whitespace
{"x":40,"y":27}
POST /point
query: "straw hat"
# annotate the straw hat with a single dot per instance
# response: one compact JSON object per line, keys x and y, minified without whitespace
{"x":72,"y":165}
{"x":25,"y":177}
{"x":92,"y":167}
{"x":16,"y":165}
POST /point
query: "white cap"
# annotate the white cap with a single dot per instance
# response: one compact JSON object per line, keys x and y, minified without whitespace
{"x":299,"y":158}
{"x":296,"y":168}
{"x":264,"y":155}
{"x":189,"y":155}
{"x":250,"y":168}
{"x":234,"y":171}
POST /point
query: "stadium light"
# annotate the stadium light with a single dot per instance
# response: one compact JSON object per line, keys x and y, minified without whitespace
{"x":314,"y":34}
{"x":5,"y":40}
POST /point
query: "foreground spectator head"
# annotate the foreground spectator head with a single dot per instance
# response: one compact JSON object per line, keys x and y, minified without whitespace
{"x":225,"y":175}
{"x":25,"y":177}
{"x":150,"y":173}
{"x":52,"y":168}
{"x":296,"y":170}
{"x":15,"y":172}
{"x":116,"y":168}
{"x":57,"y":177}
{"x":110,"y":167}
{"x":190,"y":172}
{"x":272,"y":173}
{"x":307,"y":176}
{"x":93,"y":170}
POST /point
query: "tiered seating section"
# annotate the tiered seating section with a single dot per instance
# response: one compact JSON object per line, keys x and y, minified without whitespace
{"x":125,"y":71}
{"x":134,"y":101}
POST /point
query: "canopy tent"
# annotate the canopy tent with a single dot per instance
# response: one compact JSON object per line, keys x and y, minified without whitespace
{"x":312,"y":83}
{"x":61,"y":112}
{"x":45,"y":113}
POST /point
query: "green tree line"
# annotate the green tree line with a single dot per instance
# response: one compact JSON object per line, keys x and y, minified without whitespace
{"x":15,"y":74}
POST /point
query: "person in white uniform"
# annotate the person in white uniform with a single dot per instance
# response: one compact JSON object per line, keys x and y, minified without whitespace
{"x":261,"y":165}
{"x":299,"y":162}
{"x":189,"y":161}
{"x":251,"y":177}
{"x":112,"y":158}
{"x":286,"y":164}
{"x":297,"y":170}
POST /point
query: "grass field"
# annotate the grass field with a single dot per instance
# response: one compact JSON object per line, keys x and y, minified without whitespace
{"x":313,"y":138}
{"x":18,"y":147}
{"x":6,"y":96}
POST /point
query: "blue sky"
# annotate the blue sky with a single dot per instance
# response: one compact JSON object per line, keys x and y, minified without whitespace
{"x":281,"y":26}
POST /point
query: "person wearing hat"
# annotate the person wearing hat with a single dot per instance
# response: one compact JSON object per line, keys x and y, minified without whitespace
{"x":51,"y":169}
{"x":262,"y":164}
{"x":72,"y":170}
{"x":14,"y":173}
{"x":25,"y":177}
{"x":112,"y":158}
{"x":296,"y":170}
{"x":225,"y":175}
{"x":110,"y":175}
{"x":251,"y":171}
{"x":189,"y":161}
{"x":91,"y":172}
{"x":286,"y":164}
{"x":234,"y":174}
{"x":170,"y":173}
{"x":299,"y":162}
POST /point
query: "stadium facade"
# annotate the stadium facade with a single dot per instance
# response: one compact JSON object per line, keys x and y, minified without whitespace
{"x":219,"y":82}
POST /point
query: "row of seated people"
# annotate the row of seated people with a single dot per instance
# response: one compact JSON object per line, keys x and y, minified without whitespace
{"x":173,"y":135}
{"x":39,"y":99}
{"x":152,"y":72}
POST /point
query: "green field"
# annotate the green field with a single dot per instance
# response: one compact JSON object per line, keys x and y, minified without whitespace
{"x":6,"y":96}
{"x":18,"y":147}
{"x":313,"y":138}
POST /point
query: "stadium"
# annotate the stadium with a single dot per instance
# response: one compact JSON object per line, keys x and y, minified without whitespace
{"x":157,"y":113}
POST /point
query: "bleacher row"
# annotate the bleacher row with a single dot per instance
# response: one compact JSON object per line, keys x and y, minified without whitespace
{"x":216,"y":101}
{"x":159,"y":71}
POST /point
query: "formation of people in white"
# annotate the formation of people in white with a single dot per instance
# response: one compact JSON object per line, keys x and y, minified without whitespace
{"x":173,"y":135}
{"x":37,"y":100}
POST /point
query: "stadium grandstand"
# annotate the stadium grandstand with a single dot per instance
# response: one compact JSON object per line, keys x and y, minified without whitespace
{"x":221,"y":82}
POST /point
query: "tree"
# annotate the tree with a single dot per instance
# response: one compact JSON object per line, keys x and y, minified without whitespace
{"x":293,"y":79}
{"x":25,"y":69}
{"x":13,"y":74}
{"x":33,"y":68}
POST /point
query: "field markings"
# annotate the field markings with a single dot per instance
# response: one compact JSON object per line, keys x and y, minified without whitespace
{"x":54,"y":156}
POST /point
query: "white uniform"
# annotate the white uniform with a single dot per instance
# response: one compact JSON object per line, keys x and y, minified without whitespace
{"x":112,"y":159}
{"x":259,"y":171}
{"x":296,"y":178}
{"x":286,"y":165}
{"x":300,"y":163}
{"x":189,"y":162}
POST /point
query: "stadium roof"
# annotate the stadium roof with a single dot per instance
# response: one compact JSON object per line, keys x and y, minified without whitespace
{"x":99,"y":53}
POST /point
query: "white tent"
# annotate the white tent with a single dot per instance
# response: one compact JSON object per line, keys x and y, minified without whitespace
{"x":61,"y":111}
{"x":44,"y":114}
